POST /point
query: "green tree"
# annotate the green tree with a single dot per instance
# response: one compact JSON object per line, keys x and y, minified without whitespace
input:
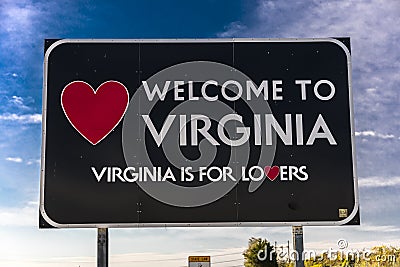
{"x":260,"y":253}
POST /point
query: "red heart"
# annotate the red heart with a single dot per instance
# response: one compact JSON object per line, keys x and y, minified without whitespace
{"x":94,"y":114}
{"x":271,"y":172}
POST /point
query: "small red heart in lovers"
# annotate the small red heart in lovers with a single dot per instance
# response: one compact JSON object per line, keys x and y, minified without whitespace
{"x":271,"y":172}
{"x":94,"y":113}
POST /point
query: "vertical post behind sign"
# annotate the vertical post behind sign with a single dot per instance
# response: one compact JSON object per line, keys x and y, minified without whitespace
{"x":102,"y":247}
{"x":298,"y":245}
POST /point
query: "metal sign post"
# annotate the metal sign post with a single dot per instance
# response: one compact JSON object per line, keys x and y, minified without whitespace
{"x":298,"y":245}
{"x":102,"y":247}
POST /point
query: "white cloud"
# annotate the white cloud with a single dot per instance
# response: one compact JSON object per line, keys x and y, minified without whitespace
{"x":233,"y":29}
{"x":374,"y":39}
{"x":22,"y":216}
{"x":371,"y":133}
{"x":20,"y":160}
{"x":379,"y":228}
{"x":377,"y":181}
{"x":14,"y":159}
{"x":18,"y":17}
{"x":231,"y":255}
{"x":210,"y":240}
{"x":33,"y":161}
{"x":24,"y":119}
{"x":19,"y":102}
{"x":13,"y":74}
{"x":375,"y":63}
{"x":20,"y":21}
{"x":25,"y":23}
{"x":49,"y":262}
{"x":178,"y":258}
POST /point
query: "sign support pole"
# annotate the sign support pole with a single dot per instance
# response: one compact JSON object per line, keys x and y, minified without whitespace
{"x":102,"y":247}
{"x":298,"y":245}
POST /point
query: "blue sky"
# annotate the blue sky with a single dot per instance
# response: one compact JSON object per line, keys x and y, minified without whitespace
{"x":24,"y":24}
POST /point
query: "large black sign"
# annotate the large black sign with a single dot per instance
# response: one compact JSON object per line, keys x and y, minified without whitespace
{"x":217,"y":132}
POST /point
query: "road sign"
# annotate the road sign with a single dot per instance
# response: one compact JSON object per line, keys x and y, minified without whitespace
{"x":219,"y":132}
{"x":199,"y":261}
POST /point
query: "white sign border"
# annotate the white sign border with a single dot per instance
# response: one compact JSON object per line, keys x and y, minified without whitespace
{"x":214,"y":224}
